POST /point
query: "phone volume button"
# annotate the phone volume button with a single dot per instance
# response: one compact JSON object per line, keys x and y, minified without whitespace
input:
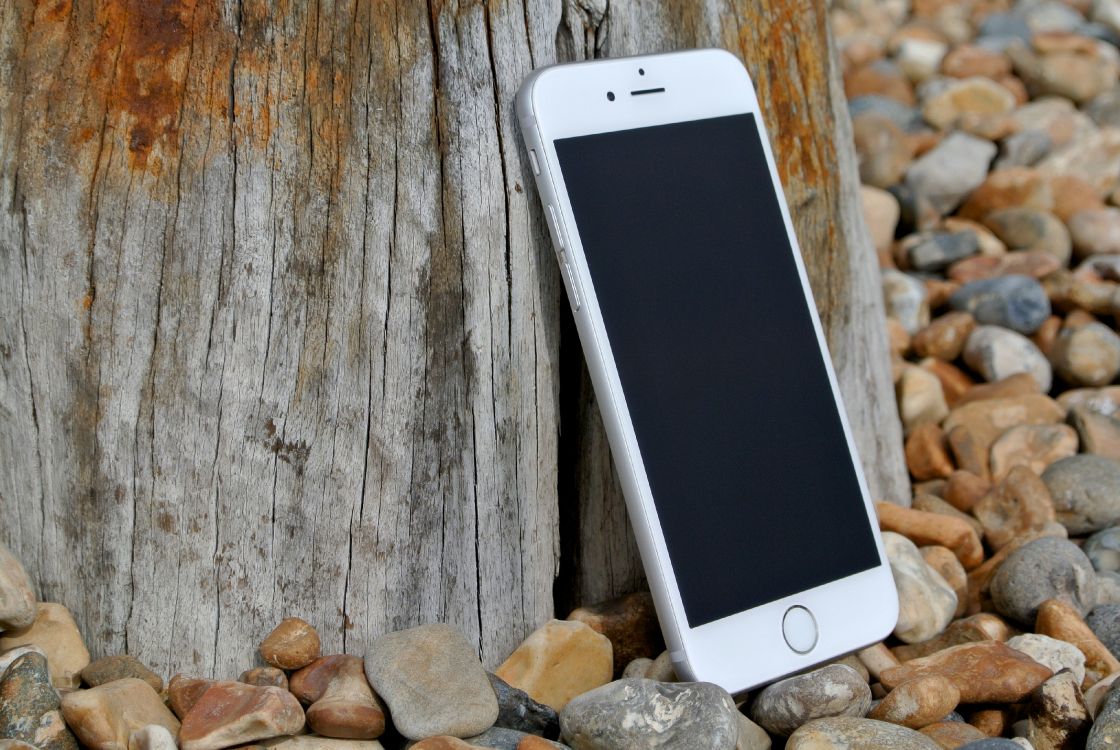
{"x":555,"y":222}
{"x":573,"y":285}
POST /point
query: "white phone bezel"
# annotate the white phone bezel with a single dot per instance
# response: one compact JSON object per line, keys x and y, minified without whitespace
{"x":746,"y":649}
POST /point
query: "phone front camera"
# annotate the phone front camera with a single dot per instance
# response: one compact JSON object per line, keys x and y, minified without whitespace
{"x":610,"y":96}
{"x":641,"y":71}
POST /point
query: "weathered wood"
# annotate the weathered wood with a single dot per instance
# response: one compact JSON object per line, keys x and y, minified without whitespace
{"x":786,"y":46}
{"x":279,"y":324}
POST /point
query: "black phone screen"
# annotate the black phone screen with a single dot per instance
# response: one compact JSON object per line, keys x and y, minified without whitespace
{"x":719,"y":362}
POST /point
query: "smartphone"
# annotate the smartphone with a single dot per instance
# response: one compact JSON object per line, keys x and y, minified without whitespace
{"x":707,"y":356}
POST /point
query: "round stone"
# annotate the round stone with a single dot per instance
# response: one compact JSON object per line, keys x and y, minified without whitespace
{"x":1086,"y":492}
{"x":1096,"y":231}
{"x":844,"y":732}
{"x":926,"y":602}
{"x":1104,"y":621}
{"x":1103,"y":549}
{"x":951,"y":170}
{"x":1088,"y":355}
{"x":1016,"y":302}
{"x":1026,"y":228}
{"x":834,"y":690}
{"x":997,"y":353}
{"x":293,"y":644}
{"x":1047,"y":568}
{"x":1051,"y":652}
{"x":905,"y":299}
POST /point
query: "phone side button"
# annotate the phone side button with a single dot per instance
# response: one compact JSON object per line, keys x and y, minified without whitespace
{"x":554,"y":221}
{"x":572,"y":285}
{"x":533,"y":161}
{"x":799,"y":628}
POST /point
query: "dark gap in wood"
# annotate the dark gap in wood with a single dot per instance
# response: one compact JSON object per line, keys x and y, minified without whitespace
{"x":566,"y":588}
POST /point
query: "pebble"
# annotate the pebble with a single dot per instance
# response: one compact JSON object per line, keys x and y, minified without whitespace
{"x":1025,"y":228}
{"x":516,"y":710}
{"x":293,"y":644}
{"x":944,"y":337}
{"x":926,"y":528}
{"x":152,"y":737}
{"x":1034,"y":447}
{"x":1108,"y":587}
{"x":920,"y":58}
{"x":1043,"y":569}
{"x":751,"y":736}
{"x":104,"y":717}
{"x":882,"y":78}
{"x":661,"y":669}
{"x":233,"y":713}
{"x":29,"y":706}
{"x":1093,"y":157}
{"x":1058,"y":717}
{"x":56,"y":633}
{"x":1019,"y":504}
{"x":1103,"y":549}
{"x":1096,"y":694}
{"x":501,"y":738}
{"x":1016,"y":302}
{"x":1098,"y":434}
{"x":111,"y":668}
{"x":1076,"y":74}
{"x":265,"y":677}
{"x":1095,"y":231}
{"x":983,"y":672}
{"x":636,"y":668}
{"x":1023,"y":149}
{"x":638,"y":713}
{"x":17,"y":596}
{"x":905,"y":299}
{"x":927,"y":452}
{"x":311,"y":742}
{"x":833,"y":690}
{"x":1060,"y":620}
{"x":15,"y":745}
{"x":558,"y":661}
{"x":975,"y":105}
{"x":935,"y":251}
{"x":951,"y":733}
{"x":883,"y":150}
{"x":7,"y":658}
{"x":996,"y":353}
{"x":1086,"y":492}
{"x":926,"y":602}
{"x":1017,"y":187}
{"x":183,"y":691}
{"x":852,"y":733}
{"x":921,"y":398}
{"x":951,"y":170}
{"x":918,"y":702}
{"x":343,"y":705}
{"x":881,"y":212}
{"x":991,"y":743}
{"x":1104,"y":621}
{"x":1105,"y":734}
{"x":1087,"y":355}
{"x":1051,"y":652}
{"x":968,"y":60}
{"x":907,"y":117}
{"x":979,"y":627}
{"x":942,"y":560}
{"x":629,"y":623}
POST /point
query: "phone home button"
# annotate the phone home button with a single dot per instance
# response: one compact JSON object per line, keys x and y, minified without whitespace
{"x":799,"y":628}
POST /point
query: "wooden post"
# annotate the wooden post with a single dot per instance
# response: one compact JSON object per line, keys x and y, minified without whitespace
{"x":280,"y":330}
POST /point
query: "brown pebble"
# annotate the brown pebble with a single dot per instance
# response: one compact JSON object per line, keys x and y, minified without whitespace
{"x":930,"y":528}
{"x":1019,"y":504}
{"x":972,"y":629}
{"x":948,"y":567}
{"x":1060,"y":620}
{"x":918,"y":702}
{"x":233,"y":713}
{"x":954,"y":381}
{"x":983,"y":672}
{"x":629,"y":623}
{"x":952,"y":734}
{"x":876,"y":658}
{"x":265,"y":677}
{"x":343,"y":704}
{"x":442,"y":742}
{"x":927,"y":453}
{"x":1034,"y":446}
{"x":1047,"y":334}
{"x":965,"y":489}
{"x":293,"y":644}
{"x":993,"y":722}
{"x":183,"y":691}
{"x":1019,"y":384}
{"x":111,"y":668}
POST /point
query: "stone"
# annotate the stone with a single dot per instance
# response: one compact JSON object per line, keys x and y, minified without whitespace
{"x":1009,"y":188}
{"x":442,"y":742}
{"x":292,"y":644}
{"x":152,"y":737}
{"x":1058,"y":717}
{"x":629,"y":623}
{"x":111,"y":668}
{"x":965,"y":489}
{"x":16,"y":745}
{"x":1096,"y":694}
{"x":834,"y":690}
{"x":996,"y":353}
{"x":904,"y":116}
{"x":104,"y":717}
{"x":927,"y":502}
{"x":1078,"y":74}
{"x":517,"y":710}
{"x":851,"y":733}
{"x":751,"y":736}
{"x":932,"y":528}
{"x":1086,"y":492}
{"x":969,"y":60}
{"x":920,"y":59}
{"x":951,"y":170}
{"x":921,"y":398}
{"x":1025,"y":228}
{"x":1003,"y":26}
{"x":7,"y":658}
{"x":1023,"y":149}
{"x":926,"y":602}
{"x":1034,"y":447}
{"x":881,"y":213}
{"x":501,"y":738}
{"x":640,"y":713}
{"x":1108,"y":587}
{"x":233,"y":713}
{"x":1020,"y":503}
{"x":927,"y":452}
{"x":29,"y":706}
{"x":1098,"y":434}
{"x":978,"y":627}
{"x":1095,"y":231}
{"x":1060,"y":620}
{"x":1088,"y":355}
{"x":975,"y":105}
{"x":1094,"y":158}
{"x":1072,"y":195}
{"x":636,"y":668}
{"x":1105,"y":733}
{"x":954,"y":381}
{"x":662,"y":669}
{"x":17,"y":596}
{"x":183,"y":691}
{"x":1104,"y":621}
{"x":433,"y":682}
{"x":343,"y":705}
{"x":991,"y":743}
{"x":882,"y":149}
{"x":952,"y":733}
{"x":1103,"y":549}
{"x":265,"y":677}
{"x":1051,"y":652}
{"x":918,"y":702}
{"x":312,"y":742}
{"x":979,"y":580}
{"x":1040,"y":570}
{"x":881,"y":78}
{"x":983,"y":672}
{"x":944,"y":338}
{"x":1062,"y":122}
{"x":905,"y":299}
{"x":558,"y":661}
{"x":935,"y":251}
{"x":1036,"y":264}
{"x":942,"y":560}
{"x":56,"y":633}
